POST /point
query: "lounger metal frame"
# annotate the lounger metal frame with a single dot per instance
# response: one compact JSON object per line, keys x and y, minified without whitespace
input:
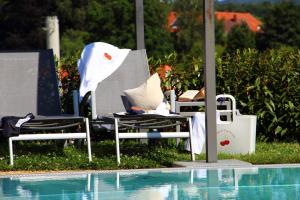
{"x":151,"y":134}
{"x":51,"y":136}
{"x":29,"y":84}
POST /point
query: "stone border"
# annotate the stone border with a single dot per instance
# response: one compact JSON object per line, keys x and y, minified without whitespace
{"x":292,"y":165}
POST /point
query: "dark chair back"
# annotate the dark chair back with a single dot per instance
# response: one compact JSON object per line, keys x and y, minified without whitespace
{"x":28,"y":83}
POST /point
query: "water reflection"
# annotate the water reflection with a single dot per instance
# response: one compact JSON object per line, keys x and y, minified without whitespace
{"x":252,"y":183}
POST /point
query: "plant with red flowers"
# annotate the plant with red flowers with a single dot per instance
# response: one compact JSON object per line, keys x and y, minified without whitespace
{"x":69,"y":80}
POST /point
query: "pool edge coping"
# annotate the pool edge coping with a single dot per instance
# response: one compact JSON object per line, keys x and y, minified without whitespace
{"x":174,"y":169}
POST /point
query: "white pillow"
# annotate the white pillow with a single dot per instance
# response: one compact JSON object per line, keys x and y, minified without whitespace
{"x":147,"y":96}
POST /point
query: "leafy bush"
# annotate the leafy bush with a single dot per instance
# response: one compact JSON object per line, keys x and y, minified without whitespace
{"x":185,"y":74}
{"x":265,"y":84}
{"x":69,"y":79}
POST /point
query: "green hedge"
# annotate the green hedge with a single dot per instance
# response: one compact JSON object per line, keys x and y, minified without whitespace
{"x":265,"y":84}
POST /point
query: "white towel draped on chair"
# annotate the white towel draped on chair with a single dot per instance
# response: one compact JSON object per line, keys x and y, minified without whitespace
{"x":198,"y":125}
{"x":98,"y":61}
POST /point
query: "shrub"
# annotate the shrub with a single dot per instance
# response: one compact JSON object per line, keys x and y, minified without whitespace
{"x":185,"y":74}
{"x":265,"y":84}
{"x":69,"y":80}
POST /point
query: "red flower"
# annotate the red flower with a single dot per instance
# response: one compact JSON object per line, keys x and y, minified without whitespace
{"x":63,"y":74}
{"x":162,"y":71}
{"x":107,"y":56}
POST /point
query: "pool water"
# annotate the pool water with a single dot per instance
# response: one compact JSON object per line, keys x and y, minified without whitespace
{"x":239,"y":183}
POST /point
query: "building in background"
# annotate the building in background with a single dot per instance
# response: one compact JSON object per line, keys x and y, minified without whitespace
{"x":231,"y":19}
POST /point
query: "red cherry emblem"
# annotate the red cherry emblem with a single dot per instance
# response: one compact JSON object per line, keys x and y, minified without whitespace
{"x":222,"y":143}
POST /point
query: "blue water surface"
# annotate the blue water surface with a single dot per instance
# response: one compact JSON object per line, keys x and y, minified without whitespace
{"x":248,"y":183}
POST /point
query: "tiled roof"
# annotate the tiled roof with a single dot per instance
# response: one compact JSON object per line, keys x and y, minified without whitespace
{"x":233,"y":18}
{"x":230,"y":19}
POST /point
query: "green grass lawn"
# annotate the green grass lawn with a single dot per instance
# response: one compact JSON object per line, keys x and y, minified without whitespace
{"x":48,"y":156}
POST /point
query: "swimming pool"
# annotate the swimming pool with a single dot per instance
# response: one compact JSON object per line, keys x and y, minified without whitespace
{"x":238,"y":183}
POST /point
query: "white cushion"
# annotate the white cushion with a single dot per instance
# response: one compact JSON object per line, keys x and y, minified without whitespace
{"x":147,"y":96}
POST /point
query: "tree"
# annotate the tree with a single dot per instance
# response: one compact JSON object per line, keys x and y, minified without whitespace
{"x":220,"y":36}
{"x":158,"y":39}
{"x":189,"y":38}
{"x":219,"y":32}
{"x":281,"y":27}
{"x":82,"y":22}
{"x":72,"y":41}
{"x":259,"y":9}
{"x":114,"y":22}
{"x":240,"y":37}
{"x":22,"y":23}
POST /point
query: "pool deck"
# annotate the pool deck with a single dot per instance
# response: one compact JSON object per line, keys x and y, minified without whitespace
{"x":231,"y":163}
{"x":221,"y":164}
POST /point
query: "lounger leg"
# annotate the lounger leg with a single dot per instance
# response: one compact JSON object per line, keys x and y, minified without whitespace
{"x":144,"y":141}
{"x":177,"y":139}
{"x":87,"y":129}
{"x":11,"y":154}
{"x":191,"y":140}
{"x":117,"y":141}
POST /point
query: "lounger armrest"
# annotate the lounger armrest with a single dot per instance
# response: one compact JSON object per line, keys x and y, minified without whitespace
{"x":172,"y":97}
{"x":84,"y":104}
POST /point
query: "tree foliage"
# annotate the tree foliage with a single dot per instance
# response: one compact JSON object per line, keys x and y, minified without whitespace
{"x":22,"y":23}
{"x":158,"y":40}
{"x":82,"y":22}
{"x":189,"y":38}
{"x":240,"y":37}
{"x":281,"y":27}
{"x":259,"y":9}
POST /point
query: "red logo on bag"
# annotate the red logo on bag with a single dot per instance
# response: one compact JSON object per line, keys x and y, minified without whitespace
{"x":107,"y":56}
{"x":224,"y":142}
